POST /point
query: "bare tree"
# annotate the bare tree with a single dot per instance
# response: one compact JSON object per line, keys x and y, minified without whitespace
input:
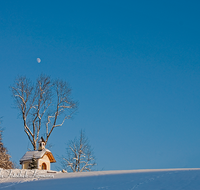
{"x":79,"y":155}
{"x":46,"y":103}
{"x":5,"y":162}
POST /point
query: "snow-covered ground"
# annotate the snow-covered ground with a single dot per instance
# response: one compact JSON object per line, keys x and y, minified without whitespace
{"x":163,"y":179}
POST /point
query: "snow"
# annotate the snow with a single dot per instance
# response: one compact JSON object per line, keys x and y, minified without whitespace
{"x":37,"y":154}
{"x":163,"y":179}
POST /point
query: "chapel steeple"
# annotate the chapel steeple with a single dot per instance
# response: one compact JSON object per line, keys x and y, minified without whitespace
{"x":41,"y":144}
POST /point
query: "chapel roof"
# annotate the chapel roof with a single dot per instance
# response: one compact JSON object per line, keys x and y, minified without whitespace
{"x":37,"y":154}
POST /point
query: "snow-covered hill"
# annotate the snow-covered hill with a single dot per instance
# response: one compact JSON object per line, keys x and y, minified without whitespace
{"x":165,"y":179}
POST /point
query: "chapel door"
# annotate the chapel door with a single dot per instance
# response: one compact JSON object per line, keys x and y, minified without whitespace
{"x":44,"y":166}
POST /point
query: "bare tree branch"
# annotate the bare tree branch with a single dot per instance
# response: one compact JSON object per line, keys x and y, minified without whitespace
{"x":45,"y":103}
{"x":79,"y":155}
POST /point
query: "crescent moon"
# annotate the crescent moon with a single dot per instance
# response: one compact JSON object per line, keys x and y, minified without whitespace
{"x":38,"y":60}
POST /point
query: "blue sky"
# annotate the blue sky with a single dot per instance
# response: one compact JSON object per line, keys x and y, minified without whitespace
{"x":134,"y":67}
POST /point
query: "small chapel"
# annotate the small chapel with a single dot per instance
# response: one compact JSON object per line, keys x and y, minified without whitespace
{"x":43,"y":157}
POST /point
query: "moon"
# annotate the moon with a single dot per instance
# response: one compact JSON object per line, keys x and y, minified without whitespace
{"x":38,"y":60}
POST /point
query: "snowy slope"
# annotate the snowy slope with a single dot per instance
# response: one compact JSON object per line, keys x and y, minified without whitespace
{"x":168,"y":179}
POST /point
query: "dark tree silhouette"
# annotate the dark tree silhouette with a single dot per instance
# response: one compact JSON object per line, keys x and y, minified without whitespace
{"x":5,"y":161}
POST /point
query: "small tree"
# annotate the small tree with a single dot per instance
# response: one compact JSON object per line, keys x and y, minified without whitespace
{"x":79,"y":155}
{"x":33,"y":163}
{"x":5,"y":162}
{"x":46,"y":103}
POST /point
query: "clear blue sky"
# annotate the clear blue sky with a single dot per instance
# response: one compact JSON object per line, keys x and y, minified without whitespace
{"x":134,"y":67}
